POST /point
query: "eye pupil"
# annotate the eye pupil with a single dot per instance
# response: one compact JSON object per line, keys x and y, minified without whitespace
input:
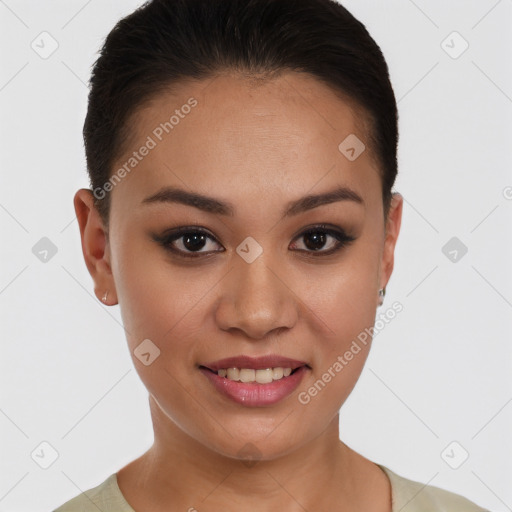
{"x":193,"y":241}
{"x":318,"y":240}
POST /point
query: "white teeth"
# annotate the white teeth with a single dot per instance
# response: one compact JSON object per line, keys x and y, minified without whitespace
{"x":249,"y":375}
{"x":233,"y":373}
{"x":264,"y":376}
{"x":278,"y":373}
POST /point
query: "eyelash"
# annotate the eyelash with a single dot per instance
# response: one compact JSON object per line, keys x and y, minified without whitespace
{"x":166,"y":240}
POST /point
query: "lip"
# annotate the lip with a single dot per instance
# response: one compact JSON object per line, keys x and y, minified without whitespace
{"x":254,"y":394}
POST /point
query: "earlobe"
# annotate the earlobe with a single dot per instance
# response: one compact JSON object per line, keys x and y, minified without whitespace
{"x":95,"y":248}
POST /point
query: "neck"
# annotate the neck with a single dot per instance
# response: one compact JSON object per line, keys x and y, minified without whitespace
{"x":179,"y":470}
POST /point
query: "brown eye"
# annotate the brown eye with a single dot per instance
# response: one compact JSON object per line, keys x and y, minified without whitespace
{"x":318,"y":237}
{"x":191,"y":242}
{"x":188,"y":241}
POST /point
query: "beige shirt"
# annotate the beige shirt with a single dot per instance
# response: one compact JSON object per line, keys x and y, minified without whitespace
{"x":407,"y":496}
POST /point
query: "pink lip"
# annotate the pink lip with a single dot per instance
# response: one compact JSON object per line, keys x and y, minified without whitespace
{"x":253,"y":394}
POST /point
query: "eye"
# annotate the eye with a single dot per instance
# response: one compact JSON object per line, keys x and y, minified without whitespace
{"x":186,"y":241}
{"x":317,"y":237}
{"x":189,"y":242}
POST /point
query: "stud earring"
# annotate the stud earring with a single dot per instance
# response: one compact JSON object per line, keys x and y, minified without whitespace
{"x":382,"y":293}
{"x":104,"y":299}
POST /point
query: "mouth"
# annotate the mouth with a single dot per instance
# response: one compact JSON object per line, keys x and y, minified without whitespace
{"x":255,"y":382}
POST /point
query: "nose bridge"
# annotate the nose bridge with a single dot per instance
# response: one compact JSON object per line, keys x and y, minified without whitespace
{"x":255,"y":299}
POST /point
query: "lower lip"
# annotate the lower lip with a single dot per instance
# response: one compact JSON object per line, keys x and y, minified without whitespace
{"x":252,"y":394}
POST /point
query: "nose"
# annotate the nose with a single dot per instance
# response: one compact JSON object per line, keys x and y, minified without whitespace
{"x":256,"y":299}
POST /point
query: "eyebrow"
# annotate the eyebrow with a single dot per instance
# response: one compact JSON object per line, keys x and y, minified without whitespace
{"x":218,"y":207}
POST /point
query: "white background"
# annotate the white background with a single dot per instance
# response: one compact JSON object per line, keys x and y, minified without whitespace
{"x":439,"y":372}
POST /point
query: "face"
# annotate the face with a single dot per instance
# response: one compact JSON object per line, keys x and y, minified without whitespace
{"x":276,"y":267}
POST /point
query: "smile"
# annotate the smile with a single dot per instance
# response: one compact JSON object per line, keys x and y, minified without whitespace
{"x":264,"y":376}
{"x":255,"y":382}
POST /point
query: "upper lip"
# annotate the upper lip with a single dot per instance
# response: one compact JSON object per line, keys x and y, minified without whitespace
{"x":255,"y":363}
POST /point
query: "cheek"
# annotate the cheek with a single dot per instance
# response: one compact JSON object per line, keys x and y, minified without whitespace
{"x":161,"y":301}
{"x":345,"y":302}
{"x":344,"y":296}
{"x":341,"y":348}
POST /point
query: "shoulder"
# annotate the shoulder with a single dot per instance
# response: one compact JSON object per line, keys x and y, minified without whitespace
{"x":411,"y":496}
{"x":105,"y":497}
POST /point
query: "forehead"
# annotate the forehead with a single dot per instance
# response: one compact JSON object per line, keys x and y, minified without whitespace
{"x":228,"y":134}
{"x":296,"y":101}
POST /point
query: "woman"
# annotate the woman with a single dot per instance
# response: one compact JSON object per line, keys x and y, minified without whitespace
{"x":242,"y":155}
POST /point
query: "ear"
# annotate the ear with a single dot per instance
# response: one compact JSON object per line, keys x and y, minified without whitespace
{"x":95,"y":245}
{"x":393,"y":224}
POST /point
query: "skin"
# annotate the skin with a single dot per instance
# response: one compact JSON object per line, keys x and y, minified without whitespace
{"x":256,"y":146}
